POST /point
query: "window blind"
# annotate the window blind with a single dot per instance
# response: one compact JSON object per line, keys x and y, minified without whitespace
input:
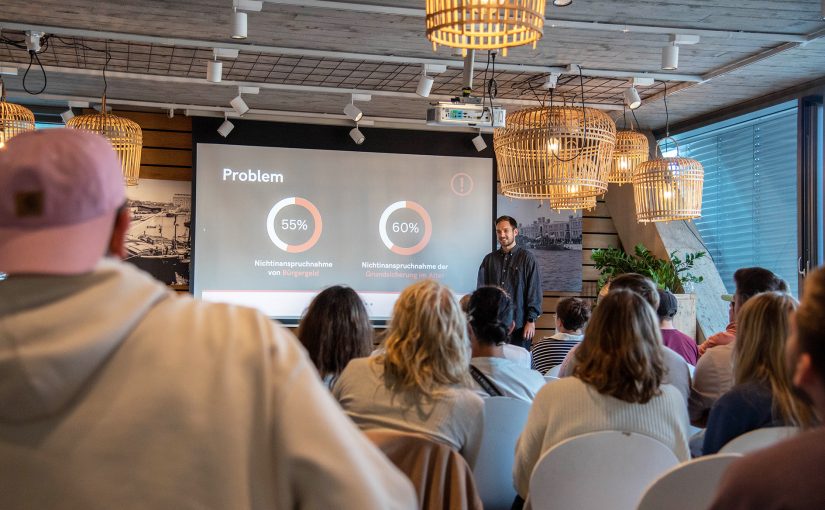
{"x":749,"y":204}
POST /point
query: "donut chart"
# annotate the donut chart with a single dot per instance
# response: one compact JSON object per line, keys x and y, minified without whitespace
{"x":316,"y":217}
{"x":425,"y":218}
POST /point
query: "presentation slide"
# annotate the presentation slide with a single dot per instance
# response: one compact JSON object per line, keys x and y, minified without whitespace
{"x":274,"y":226}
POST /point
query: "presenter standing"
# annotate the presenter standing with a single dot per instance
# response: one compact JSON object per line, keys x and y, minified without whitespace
{"x":514,"y":269}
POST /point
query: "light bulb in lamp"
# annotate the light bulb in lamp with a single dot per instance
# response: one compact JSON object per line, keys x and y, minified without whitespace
{"x":668,"y":194}
{"x":553,"y":145}
{"x":624,"y":164}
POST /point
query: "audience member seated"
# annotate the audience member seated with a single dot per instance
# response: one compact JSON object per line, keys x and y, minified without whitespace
{"x":616,"y":385}
{"x":419,"y":382}
{"x":723,"y":337}
{"x":572,"y":315}
{"x":517,"y":354}
{"x":762,"y":396}
{"x":684,"y":345}
{"x":714,"y":370}
{"x":335,"y":329}
{"x":491,"y":322}
{"x":677,"y":372}
{"x":116,"y":392}
{"x":788,"y":476}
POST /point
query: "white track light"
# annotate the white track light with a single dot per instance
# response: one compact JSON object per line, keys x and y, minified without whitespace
{"x":479,"y":143}
{"x":239,"y":105}
{"x":225,"y":128}
{"x":551,"y":82}
{"x":354,"y":113}
{"x":670,"y":57}
{"x":425,"y":85}
{"x":357,"y":136}
{"x":631,"y":98}
{"x":214,"y":71}
{"x":562,"y":3}
{"x":67,"y":115}
{"x":238,"y":25}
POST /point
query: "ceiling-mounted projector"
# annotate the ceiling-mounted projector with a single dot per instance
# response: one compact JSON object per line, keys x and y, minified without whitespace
{"x":463,"y":114}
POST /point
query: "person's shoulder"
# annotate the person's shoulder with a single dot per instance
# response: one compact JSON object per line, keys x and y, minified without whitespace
{"x":558,"y":388}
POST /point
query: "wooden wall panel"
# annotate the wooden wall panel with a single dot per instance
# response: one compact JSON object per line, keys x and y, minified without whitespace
{"x":167,"y":145}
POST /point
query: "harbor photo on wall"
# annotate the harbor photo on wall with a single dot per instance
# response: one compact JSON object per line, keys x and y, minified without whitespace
{"x":554,"y":237}
{"x":158,"y":238}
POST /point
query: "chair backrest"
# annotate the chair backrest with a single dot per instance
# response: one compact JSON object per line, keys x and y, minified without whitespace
{"x":758,"y":439}
{"x":440,"y":475}
{"x":504,"y":419}
{"x":688,"y":486}
{"x":554,"y":371}
{"x":608,"y":469}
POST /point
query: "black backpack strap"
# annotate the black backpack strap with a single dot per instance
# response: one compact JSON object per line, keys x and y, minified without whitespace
{"x":485,"y":383}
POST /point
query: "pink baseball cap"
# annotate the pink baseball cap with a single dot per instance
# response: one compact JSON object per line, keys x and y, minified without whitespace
{"x":60,"y":190}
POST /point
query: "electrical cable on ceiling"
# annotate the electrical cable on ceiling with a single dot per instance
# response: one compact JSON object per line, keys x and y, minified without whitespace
{"x":34,"y":56}
{"x":584,"y":120}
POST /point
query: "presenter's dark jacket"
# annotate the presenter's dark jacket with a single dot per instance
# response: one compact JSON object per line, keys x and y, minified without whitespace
{"x":518,"y":274}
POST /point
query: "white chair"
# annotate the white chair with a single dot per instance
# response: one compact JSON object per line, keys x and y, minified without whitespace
{"x":554,"y":371}
{"x":504,"y":419}
{"x":599,"y":470}
{"x":758,"y":439}
{"x":688,"y":486}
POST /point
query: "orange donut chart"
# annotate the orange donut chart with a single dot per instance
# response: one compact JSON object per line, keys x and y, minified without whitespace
{"x":294,"y":248}
{"x":425,"y":217}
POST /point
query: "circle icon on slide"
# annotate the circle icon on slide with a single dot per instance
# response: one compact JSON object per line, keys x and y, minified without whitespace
{"x":294,"y":224}
{"x":411,"y":223}
{"x":462,"y":184}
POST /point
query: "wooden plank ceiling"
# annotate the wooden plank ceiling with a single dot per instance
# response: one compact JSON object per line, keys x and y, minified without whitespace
{"x":158,"y":52}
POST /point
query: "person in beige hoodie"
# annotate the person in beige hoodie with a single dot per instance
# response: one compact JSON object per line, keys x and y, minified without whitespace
{"x":117,"y":393}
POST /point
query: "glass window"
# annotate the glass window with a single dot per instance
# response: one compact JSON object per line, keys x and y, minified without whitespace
{"x":749,"y":204}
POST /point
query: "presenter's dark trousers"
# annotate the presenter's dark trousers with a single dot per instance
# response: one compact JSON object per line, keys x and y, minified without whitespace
{"x":517,"y":338}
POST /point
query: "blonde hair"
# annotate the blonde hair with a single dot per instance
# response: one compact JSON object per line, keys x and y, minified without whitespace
{"x":762,"y":328}
{"x":426,"y":348}
{"x":621,"y":354}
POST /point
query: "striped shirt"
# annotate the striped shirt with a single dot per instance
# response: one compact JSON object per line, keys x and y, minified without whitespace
{"x":551,"y":351}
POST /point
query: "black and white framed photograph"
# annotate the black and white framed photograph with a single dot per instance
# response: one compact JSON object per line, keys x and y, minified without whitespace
{"x":158,"y":237}
{"x":554,"y":238}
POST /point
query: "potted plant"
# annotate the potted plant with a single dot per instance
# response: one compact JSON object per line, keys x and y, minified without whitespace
{"x":673,"y":275}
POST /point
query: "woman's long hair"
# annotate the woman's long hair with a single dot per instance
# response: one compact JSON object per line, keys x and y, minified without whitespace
{"x":762,"y":328}
{"x":621,"y":354}
{"x":426,"y":348}
{"x":335,"y":329}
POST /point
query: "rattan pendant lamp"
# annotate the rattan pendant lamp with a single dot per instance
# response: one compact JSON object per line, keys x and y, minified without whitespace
{"x":573,"y":204}
{"x":632,"y":148}
{"x":124,"y":134}
{"x":555,"y":152}
{"x":14,"y":119}
{"x":668,"y":189}
{"x":484,"y":24}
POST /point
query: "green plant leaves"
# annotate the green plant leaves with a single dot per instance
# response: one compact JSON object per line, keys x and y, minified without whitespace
{"x":667,"y":274}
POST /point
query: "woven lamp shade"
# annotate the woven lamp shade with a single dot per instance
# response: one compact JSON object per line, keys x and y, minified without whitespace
{"x":125,"y":136}
{"x":554,"y":153}
{"x":632,"y":148}
{"x":14,"y":119}
{"x":573,"y":204}
{"x":667,"y":189}
{"x":484,"y":24}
